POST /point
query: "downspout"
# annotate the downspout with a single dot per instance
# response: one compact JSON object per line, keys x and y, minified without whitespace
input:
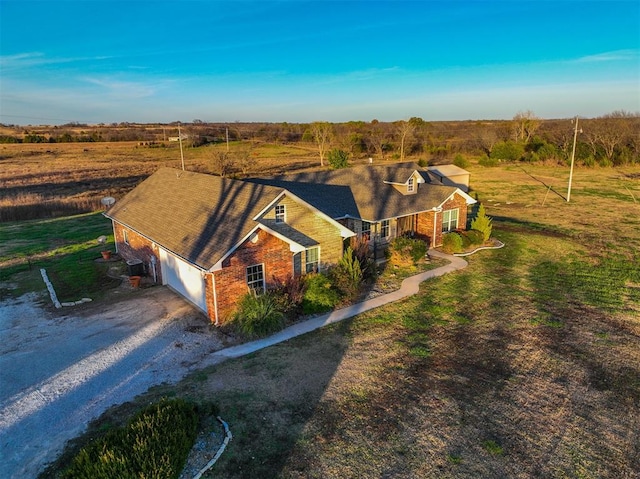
{"x":215,"y":299}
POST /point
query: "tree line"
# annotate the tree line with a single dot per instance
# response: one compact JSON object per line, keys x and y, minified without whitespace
{"x":608,"y":140}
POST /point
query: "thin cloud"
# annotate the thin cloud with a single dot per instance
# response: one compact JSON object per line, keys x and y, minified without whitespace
{"x":613,"y":56}
{"x":126,"y":89}
{"x":35,"y":59}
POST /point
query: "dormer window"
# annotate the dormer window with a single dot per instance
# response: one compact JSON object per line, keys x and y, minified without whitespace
{"x":411,"y":185}
{"x":280,"y":214}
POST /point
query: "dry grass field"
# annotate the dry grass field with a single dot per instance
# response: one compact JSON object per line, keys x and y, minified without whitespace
{"x":524,"y":365}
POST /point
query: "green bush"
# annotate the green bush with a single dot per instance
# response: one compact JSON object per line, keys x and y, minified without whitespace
{"x":451,"y":243}
{"x":475,"y":237}
{"x":482,"y":223}
{"x":403,"y":248}
{"x":320,"y":296}
{"x":347,"y":274}
{"x":508,"y":151}
{"x":338,"y":159}
{"x":460,"y":161}
{"x":154,"y":444}
{"x":422,"y":162}
{"x":488,"y":162}
{"x":258,"y":315}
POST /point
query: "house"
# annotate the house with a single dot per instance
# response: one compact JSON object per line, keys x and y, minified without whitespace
{"x":212,"y":239}
{"x":451,"y":175}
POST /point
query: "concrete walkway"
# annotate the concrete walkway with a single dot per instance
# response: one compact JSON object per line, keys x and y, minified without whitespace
{"x":409,"y":287}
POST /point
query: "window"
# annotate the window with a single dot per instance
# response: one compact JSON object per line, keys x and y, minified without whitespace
{"x":280,"y":214}
{"x":255,"y":278}
{"x":366,"y":229}
{"x":125,"y":236}
{"x":384,"y":229}
{"x":313,"y":260}
{"x":449,"y":220}
{"x":410,"y":185}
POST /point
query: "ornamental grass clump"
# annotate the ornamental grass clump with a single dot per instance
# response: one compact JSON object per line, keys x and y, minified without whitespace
{"x":405,"y":251}
{"x":258,"y":315}
{"x":154,"y":444}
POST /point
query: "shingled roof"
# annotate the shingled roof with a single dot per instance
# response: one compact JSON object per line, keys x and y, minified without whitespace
{"x":196,"y":216}
{"x":364,"y":191}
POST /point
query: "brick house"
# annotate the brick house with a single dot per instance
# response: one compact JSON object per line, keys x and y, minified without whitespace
{"x":212,"y":239}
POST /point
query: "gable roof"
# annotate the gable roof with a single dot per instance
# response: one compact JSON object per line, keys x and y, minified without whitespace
{"x":199,"y":217}
{"x":366,"y":192}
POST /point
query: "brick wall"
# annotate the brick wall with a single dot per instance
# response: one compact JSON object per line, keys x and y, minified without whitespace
{"x":138,"y":248}
{"x":231,"y":280}
{"x":424,"y":226}
{"x":456,"y":202}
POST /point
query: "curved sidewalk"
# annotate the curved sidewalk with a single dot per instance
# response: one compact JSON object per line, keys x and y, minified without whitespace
{"x":409,"y":287}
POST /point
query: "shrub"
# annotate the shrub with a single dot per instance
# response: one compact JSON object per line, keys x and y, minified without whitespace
{"x":422,"y":162}
{"x":320,"y":296}
{"x":451,"y":243}
{"x":488,"y":162}
{"x":347,"y":274}
{"x":508,"y":150}
{"x":460,"y":161}
{"x":368,"y":267}
{"x":404,"y":249}
{"x":258,"y":314}
{"x":155,"y":443}
{"x":482,"y":223}
{"x":338,"y":159}
{"x":288,"y":294}
{"x":475,"y":237}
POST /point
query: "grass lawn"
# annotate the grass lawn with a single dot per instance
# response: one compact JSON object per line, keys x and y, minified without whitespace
{"x":66,"y":247}
{"x":524,"y":364}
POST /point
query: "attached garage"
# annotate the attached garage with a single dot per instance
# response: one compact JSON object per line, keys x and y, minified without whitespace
{"x":184,"y":278}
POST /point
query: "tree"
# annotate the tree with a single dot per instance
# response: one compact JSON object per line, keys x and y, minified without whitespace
{"x":338,"y":159}
{"x":525,"y":124}
{"x":482,"y":223}
{"x":223,"y":163}
{"x":321,"y":131}
{"x":377,"y":138}
{"x":405,"y":129}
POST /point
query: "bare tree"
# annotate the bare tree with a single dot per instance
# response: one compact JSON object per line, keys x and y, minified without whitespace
{"x":525,"y":124}
{"x":486,"y":139}
{"x":223,"y":163}
{"x":377,"y":138}
{"x":405,"y":129}
{"x":322,"y":132}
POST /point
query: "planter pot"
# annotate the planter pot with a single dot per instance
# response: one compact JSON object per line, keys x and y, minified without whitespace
{"x":106,"y":255}
{"x":135,"y":281}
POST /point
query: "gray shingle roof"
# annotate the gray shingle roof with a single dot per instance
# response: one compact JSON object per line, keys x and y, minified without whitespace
{"x":199,"y":217}
{"x":361,"y":192}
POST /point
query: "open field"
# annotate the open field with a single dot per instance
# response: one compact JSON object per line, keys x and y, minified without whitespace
{"x":70,"y":178}
{"x":525,"y":364}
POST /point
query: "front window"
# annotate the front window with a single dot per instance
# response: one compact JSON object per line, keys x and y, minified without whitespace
{"x":366,"y":229}
{"x":410,"y":185}
{"x":280,"y":214}
{"x":313,"y":260}
{"x":449,"y":220}
{"x":384,"y":229}
{"x":255,"y":278}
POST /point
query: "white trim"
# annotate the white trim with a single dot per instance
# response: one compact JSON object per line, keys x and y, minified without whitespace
{"x":269,"y":205}
{"x":469,"y":200}
{"x":215,"y":297}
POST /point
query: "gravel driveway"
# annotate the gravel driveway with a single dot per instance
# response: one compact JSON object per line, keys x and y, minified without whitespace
{"x":60,"y":370}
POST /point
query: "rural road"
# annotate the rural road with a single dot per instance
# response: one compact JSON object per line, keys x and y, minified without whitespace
{"x":60,"y":370}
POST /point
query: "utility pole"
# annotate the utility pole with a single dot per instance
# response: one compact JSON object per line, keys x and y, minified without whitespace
{"x":180,"y":140}
{"x":573,"y":155}
{"x":227,"y":130}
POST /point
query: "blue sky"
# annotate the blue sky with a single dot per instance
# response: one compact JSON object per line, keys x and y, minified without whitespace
{"x":298,"y":61}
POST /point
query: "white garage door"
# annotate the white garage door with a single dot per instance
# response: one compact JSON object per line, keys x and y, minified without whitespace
{"x":184,"y":278}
